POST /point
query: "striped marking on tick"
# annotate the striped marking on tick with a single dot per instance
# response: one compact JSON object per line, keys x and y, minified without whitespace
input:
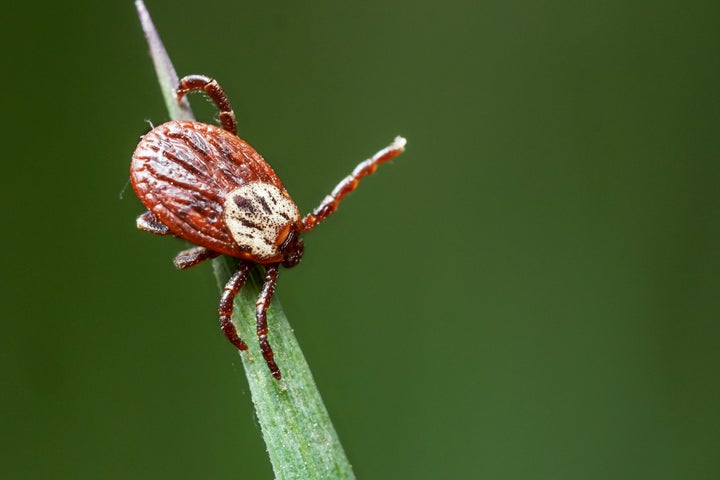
{"x":260,"y":216}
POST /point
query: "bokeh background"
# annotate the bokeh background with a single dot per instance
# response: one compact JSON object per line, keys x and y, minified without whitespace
{"x":530,"y":292}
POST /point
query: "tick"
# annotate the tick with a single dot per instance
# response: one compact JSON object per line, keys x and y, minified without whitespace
{"x":204,"y":184}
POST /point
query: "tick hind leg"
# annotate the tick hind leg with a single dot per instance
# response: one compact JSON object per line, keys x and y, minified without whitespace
{"x":227,"y":303}
{"x":147,"y":222}
{"x":261,"y":307}
{"x":192,"y":256}
{"x":217,"y":95}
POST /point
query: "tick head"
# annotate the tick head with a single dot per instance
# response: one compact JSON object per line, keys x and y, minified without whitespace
{"x":292,"y":249}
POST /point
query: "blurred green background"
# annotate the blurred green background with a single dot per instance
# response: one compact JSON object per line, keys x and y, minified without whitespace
{"x":530,"y":292}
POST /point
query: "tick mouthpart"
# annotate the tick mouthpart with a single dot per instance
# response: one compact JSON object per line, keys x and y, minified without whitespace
{"x":292,"y":249}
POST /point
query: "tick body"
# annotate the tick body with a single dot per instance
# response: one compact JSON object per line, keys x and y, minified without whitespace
{"x":204,"y":184}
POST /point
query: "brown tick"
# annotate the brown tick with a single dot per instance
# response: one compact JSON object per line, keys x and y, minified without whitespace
{"x":204,"y":184}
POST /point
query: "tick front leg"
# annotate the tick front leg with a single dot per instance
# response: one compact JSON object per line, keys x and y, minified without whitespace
{"x":350,"y":183}
{"x":149,"y":223}
{"x":232,"y":287}
{"x":261,"y":307}
{"x":216,"y":94}
{"x":192,"y":256}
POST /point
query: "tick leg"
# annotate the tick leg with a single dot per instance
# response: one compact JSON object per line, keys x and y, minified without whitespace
{"x":261,"y":307}
{"x":148,"y":223}
{"x":192,"y":256}
{"x":232,"y":287}
{"x":216,"y":94}
{"x":350,"y":183}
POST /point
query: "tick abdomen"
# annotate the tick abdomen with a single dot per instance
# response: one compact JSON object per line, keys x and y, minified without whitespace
{"x":184,"y":171}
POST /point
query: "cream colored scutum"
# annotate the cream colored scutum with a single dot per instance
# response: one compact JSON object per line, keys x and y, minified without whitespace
{"x":256,"y":213}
